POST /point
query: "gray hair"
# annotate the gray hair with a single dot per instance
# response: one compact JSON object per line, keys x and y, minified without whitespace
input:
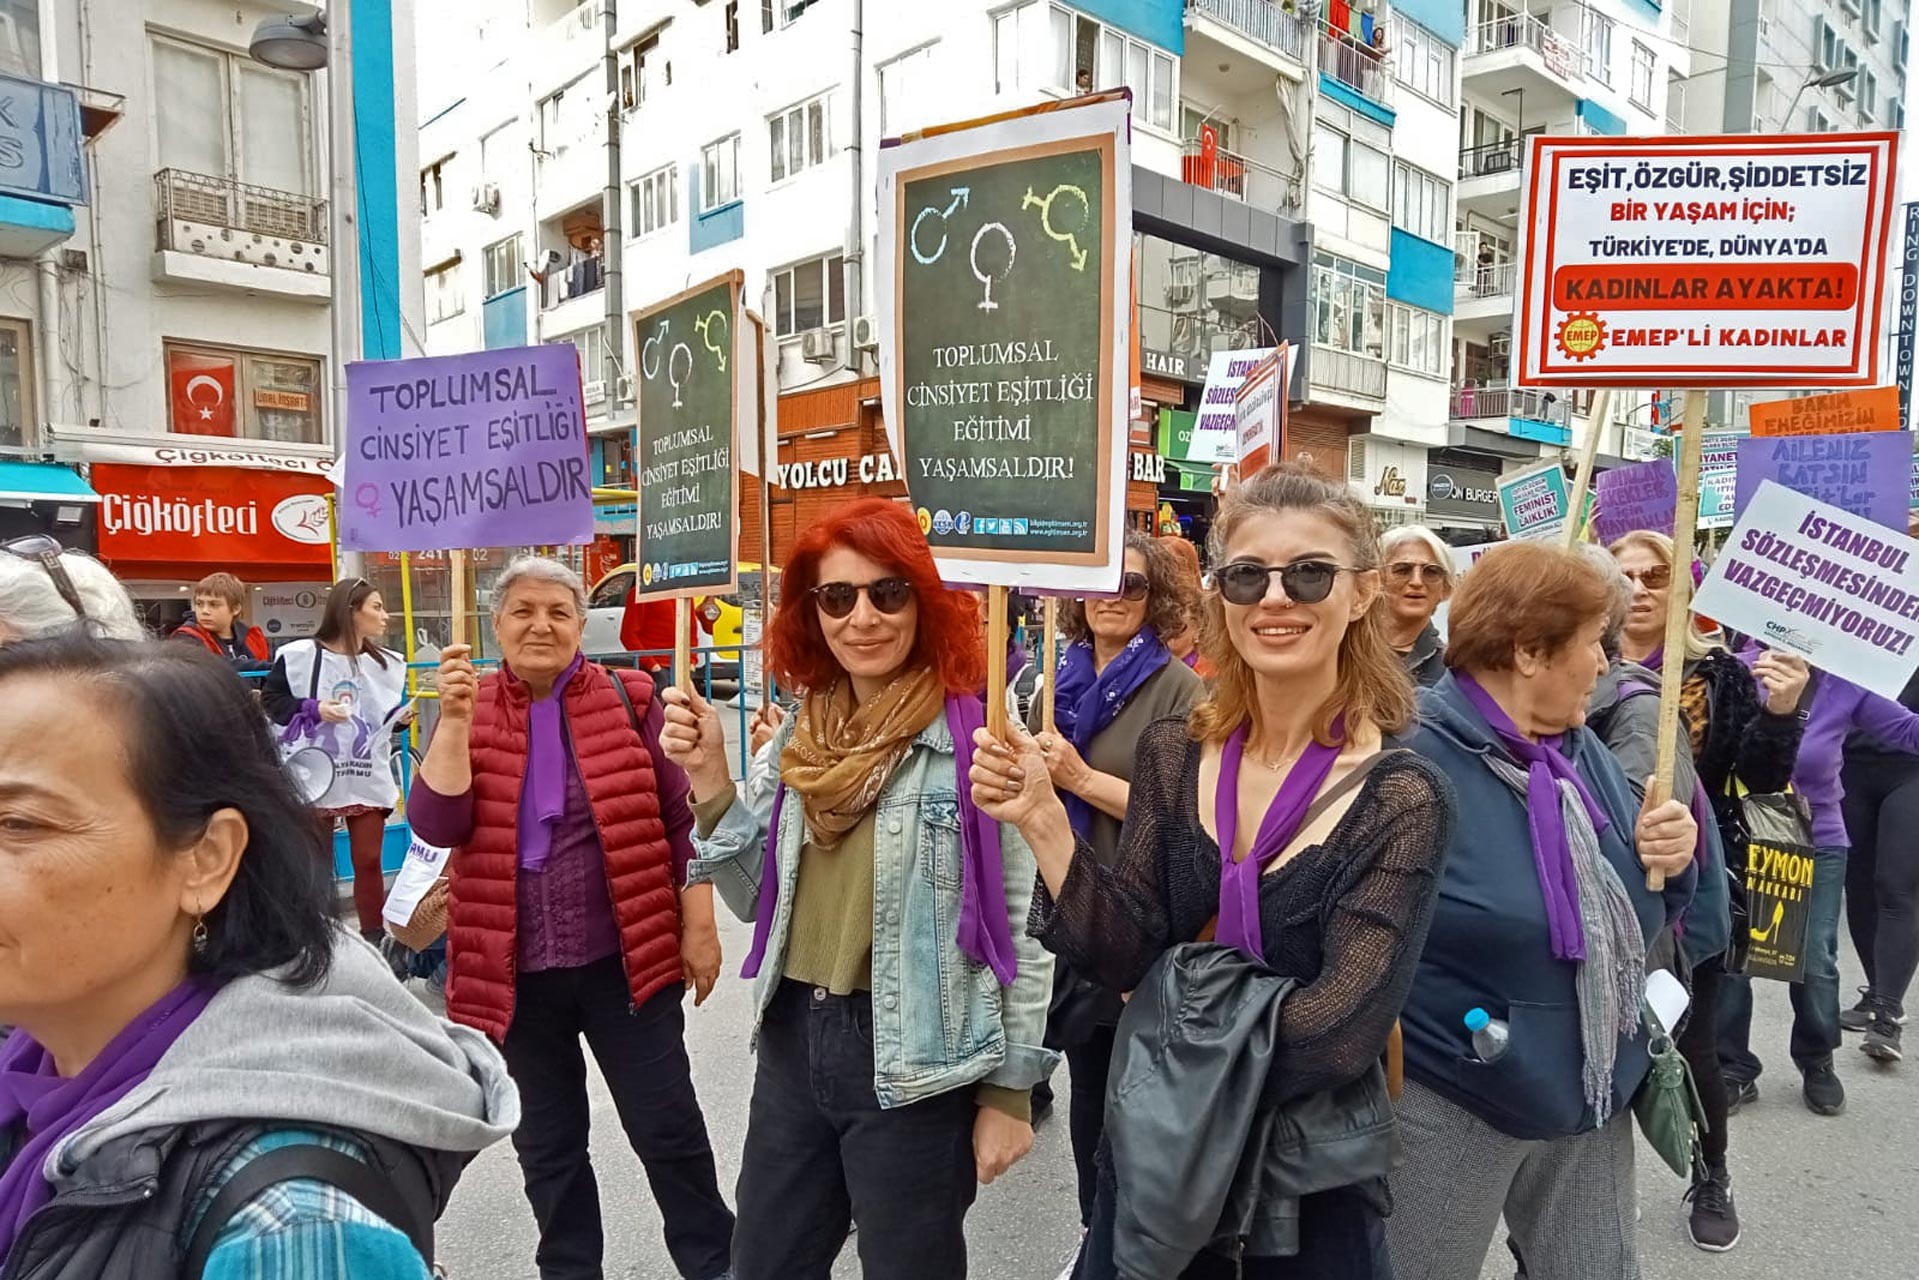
{"x":31,"y":605}
{"x":536,"y":569}
{"x":1419,"y":533}
{"x":1620,"y":590}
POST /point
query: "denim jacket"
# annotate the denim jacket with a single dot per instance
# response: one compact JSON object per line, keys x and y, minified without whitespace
{"x":940,"y":1020}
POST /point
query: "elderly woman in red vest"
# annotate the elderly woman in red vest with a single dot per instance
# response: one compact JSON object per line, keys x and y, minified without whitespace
{"x":570,"y":916}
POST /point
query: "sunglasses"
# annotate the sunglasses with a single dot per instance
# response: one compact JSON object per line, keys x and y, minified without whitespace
{"x":45,"y":552}
{"x":1245,"y":582}
{"x":1134,"y":586}
{"x":1654,"y":578}
{"x":1406,"y":571}
{"x":837,"y":599}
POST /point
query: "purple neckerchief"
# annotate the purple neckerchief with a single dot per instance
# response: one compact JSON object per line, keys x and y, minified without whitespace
{"x":1546,"y":763}
{"x":305,"y":723}
{"x":1086,"y":701}
{"x":45,"y":1107}
{"x":1191,"y":659}
{"x":543,"y":795}
{"x":985,"y":935}
{"x":1239,"y":881}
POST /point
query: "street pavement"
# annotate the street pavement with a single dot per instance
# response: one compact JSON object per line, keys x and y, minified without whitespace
{"x":1831,"y":1198}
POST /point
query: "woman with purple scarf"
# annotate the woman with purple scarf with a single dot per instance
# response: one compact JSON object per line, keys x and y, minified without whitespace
{"x":1273,"y":820}
{"x":1116,"y":678}
{"x":1542,"y":925}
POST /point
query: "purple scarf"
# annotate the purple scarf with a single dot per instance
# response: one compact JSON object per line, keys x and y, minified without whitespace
{"x":1545,"y":763}
{"x":1085,"y":702}
{"x":34,"y":1098}
{"x":543,"y":796}
{"x":1239,"y":881}
{"x":985,"y":935}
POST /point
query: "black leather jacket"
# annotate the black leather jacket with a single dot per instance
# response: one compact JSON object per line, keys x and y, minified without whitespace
{"x":1203,"y":1155}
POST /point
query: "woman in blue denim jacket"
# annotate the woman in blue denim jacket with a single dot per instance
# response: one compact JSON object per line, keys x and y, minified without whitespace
{"x":899,"y":1011}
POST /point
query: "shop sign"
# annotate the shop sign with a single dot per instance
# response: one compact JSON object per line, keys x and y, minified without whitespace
{"x":1169,"y":364}
{"x":217,"y":516}
{"x":1148,"y":467}
{"x":1394,"y":474}
{"x":831,"y":473}
{"x":289,"y":610}
{"x":1453,"y":489}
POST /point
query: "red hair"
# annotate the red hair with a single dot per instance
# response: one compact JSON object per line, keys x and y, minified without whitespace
{"x":885,"y":532}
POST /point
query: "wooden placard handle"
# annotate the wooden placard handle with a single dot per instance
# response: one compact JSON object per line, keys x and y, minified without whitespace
{"x":1588,"y":454}
{"x":1678,"y":603}
{"x":1048,"y":662}
{"x":456,"y":594}
{"x":683,"y":644}
{"x":996,"y":662}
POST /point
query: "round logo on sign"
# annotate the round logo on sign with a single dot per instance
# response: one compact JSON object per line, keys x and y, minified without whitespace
{"x":646,"y":574}
{"x":926,"y":520}
{"x":1440,"y":487}
{"x":942,"y":521}
{"x":302,"y":518}
{"x":963,"y":522}
{"x":1581,"y":335}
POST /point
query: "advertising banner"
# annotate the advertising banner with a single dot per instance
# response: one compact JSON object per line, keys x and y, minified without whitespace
{"x":1705,"y":262}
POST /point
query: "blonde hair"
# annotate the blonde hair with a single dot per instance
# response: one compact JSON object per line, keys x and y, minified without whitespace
{"x":1371,"y":683}
{"x":1697,"y":645}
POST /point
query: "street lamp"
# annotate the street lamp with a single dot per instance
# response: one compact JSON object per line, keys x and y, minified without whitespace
{"x":1818,"y":80}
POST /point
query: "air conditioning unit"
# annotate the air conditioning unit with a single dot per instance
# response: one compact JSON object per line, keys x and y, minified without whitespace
{"x":866,"y":333}
{"x":1502,"y":344}
{"x":816,"y":346}
{"x":623,"y":388}
{"x":594,"y":391}
{"x":486,"y":197}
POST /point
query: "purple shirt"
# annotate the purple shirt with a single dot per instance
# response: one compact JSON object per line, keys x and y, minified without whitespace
{"x":566,"y":910}
{"x":1838,"y":707}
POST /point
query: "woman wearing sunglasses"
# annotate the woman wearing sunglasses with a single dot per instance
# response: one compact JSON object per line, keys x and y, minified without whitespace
{"x":1419,"y":578}
{"x":899,"y":1009}
{"x":1542,"y":926}
{"x":1116,"y":679}
{"x":45,"y":589}
{"x":1271,"y":819}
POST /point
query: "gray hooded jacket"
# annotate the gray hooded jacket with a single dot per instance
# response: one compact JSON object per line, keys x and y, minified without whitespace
{"x":355,"y":1054}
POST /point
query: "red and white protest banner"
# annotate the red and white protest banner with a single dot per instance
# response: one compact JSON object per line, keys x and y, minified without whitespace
{"x":1706,"y":262}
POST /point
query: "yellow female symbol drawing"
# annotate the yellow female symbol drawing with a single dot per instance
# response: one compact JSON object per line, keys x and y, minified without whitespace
{"x":1046,"y":218}
{"x":704,"y":325}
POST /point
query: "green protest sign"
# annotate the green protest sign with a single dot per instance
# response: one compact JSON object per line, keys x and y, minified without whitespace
{"x":688,"y":539}
{"x":1005,"y":321}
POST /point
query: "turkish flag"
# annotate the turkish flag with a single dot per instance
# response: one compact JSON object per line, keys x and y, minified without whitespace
{"x":202,"y":394}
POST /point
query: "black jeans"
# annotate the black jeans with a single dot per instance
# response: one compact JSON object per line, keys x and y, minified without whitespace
{"x":821,"y":1154}
{"x":642,"y":1054}
{"x":1882,"y":872}
{"x":1699,"y":1044}
{"x":1088,"y":1064}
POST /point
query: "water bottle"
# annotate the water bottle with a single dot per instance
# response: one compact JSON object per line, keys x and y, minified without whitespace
{"x":1490,"y":1037}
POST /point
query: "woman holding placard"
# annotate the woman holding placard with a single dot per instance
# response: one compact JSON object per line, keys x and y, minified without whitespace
{"x":1524,"y":1046}
{"x":1116,"y":679}
{"x":899,"y":1007}
{"x":1331,"y":848}
{"x":1742,"y":728}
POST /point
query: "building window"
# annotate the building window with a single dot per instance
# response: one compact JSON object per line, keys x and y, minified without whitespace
{"x":495,"y":154}
{"x":656,"y":201}
{"x":219,"y":391}
{"x":1596,"y":32}
{"x":1349,"y":306}
{"x":801,"y":136}
{"x":792,"y":9}
{"x":1088,"y":55}
{"x":445,"y":296}
{"x":1899,"y":44}
{"x":732,"y":26}
{"x":432,"y":188}
{"x":720,"y":172}
{"x":591,"y":344}
{"x":1418,"y":341}
{"x":20,"y":43}
{"x":1869,"y":21}
{"x":908,"y":92}
{"x":811,"y":295}
{"x":643,"y":72}
{"x":1868,"y":96}
{"x":224,"y":115}
{"x":1423,"y":62}
{"x":1422,"y":204}
{"x":1350,"y":167}
{"x":1020,"y":39}
{"x":567,"y":117}
{"x":500,"y":267}
{"x":1817,"y":121}
{"x":1642,"y":66}
{"x":16,"y":381}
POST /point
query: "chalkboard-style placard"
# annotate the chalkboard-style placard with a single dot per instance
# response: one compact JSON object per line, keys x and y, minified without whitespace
{"x":1005,"y":330}
{"x":688,"y":539}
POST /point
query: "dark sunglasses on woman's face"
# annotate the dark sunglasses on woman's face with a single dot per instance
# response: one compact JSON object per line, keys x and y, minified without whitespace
{"x":1653,"y":577}
{"x":1134,"y":586}
{"x":837,"y":599}
{"x":1244,"y":582}
{"x":45,"y":552}
{"x":1407,"y":570}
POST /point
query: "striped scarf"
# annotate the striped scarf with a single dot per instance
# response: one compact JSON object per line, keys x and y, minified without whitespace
{"x":1611,"y":980}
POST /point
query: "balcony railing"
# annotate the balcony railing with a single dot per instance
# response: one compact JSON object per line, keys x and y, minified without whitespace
{"x":1491,"y":280}
{"x":1363,"y":69}
{"x":1470,"y":402}
{"x":239,"y":206}
{"x":1494,"y":157}
{"x":1277,"y":26}
{"x":1231,"y":174}
{"x":1348,"y":372}
{"x":1524,"y":31}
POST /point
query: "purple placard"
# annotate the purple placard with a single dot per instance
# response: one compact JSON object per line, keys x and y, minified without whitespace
{"x":1867,"y":473}
{"x":1641,"y":496}
{"x":485,"y":449}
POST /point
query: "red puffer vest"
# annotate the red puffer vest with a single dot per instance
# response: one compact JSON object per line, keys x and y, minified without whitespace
{"x":618,"y":772}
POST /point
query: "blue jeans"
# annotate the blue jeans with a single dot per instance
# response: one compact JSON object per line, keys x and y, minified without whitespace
{"x":1815,"y":998}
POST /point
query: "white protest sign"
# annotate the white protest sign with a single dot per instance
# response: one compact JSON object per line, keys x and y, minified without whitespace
{"x":424,"y":864}
{"x":1839,"y":590}
{"x":1710,"y":262}
{"x":1215,"y":435}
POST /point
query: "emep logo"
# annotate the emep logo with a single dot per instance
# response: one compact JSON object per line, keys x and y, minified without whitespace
{"x":302,"y":518}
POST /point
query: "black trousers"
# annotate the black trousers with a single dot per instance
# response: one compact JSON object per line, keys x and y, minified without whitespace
{"x":1088,"y":1064}
{"x":642,"y":1054}
{"x":1882,"y":873}
{"x":821,"y":1154}
{"x":1699,"y":1045}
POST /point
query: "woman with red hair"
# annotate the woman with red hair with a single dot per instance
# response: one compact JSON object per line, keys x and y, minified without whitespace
{"x":899,"y":1006}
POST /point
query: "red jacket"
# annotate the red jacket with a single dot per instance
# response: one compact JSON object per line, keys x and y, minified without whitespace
{"x":622,"y":788}
{"x":251,"y":639}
